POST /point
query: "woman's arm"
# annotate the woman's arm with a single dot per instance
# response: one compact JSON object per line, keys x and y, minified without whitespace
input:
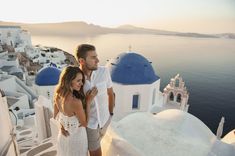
{"x":83,"y":116}
{"x":88,"y":104}
{"x":56,"y":109}
{"x":79,"y":111}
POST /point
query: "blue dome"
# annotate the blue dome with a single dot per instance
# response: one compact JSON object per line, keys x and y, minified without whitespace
{"x":131,"y":69}
{"x":48,"y":76}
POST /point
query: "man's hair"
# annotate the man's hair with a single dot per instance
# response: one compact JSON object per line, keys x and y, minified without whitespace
{"x":81,"y":51}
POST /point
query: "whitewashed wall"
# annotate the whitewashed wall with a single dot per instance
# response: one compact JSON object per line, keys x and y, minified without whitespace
{"x":124,"y":95}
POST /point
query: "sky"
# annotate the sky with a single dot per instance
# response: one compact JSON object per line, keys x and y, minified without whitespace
{"x":203,"y":16}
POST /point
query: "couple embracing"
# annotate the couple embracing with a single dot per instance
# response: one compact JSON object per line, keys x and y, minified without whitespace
{"x":83,"y":105}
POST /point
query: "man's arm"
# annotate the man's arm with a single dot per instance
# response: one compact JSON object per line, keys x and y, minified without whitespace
{"x":111,"y":99}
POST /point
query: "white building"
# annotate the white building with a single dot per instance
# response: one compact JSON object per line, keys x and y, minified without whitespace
{"x":9,"y":63}
{"x":1,"y":49}
{"x":45,"y":82}
{"x":43,"y":111}
{"x":8,"y":145}
{"x":13,"y":84}
{"x":14,"y":36}
{"x":8,"y":59}
{"x":135,"y":84}
{"x":56,"y":57}
{"x":38,"y":55}
{"x":137,"y":87}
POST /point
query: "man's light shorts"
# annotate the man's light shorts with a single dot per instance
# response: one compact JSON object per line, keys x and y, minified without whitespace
{"x":94,"y":136}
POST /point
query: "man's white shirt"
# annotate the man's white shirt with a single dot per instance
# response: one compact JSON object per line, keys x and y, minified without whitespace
{"x":99,"y":111}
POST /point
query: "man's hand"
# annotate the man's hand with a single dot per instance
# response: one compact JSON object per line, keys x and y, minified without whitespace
{"x":63,"y":131}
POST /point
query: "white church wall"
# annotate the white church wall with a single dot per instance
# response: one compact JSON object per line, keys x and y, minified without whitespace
{"x":119,"y":107}
{"x":158,"y":98}
{"x":46,"y":91}
{"x":124,"y":98}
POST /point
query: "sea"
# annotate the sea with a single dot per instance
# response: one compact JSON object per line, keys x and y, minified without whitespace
{"x":207,"y":65}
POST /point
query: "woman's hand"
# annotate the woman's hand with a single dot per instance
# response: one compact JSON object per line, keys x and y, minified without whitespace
{"x":90,"y":95}
{"x":63,"y":131}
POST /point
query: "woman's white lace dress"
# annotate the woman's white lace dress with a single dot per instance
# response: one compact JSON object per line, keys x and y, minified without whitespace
{"x":76,"y":143}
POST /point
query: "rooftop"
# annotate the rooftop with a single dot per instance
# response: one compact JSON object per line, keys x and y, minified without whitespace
{"x":9,"y":26}
{"x":131,"y":69}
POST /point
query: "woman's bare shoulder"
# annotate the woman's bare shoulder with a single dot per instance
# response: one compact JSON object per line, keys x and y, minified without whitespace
{"x":76,"y":103}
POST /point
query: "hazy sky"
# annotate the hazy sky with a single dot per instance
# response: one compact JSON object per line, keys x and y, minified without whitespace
{"x":207,"y":16}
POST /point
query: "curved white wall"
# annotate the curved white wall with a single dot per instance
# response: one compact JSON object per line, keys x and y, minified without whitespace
{"x":6,"y":126}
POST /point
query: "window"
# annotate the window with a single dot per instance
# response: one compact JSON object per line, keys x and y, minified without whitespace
{"x":135,"y":102}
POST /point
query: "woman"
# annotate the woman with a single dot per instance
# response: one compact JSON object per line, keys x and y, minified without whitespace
{"x":71,"y":109}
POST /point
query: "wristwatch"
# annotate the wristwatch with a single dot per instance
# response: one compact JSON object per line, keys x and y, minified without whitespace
{"x":111,"y":114}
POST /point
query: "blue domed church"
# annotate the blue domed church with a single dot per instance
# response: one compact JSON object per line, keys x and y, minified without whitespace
{"x":46,"y":80}
{"x":135,"y":84}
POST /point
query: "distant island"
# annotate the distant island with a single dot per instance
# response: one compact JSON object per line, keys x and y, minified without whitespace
{"x":84,"y":29}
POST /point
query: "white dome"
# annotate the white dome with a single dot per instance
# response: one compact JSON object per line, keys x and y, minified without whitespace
{"x":169,"y":133}
{"x":186,"y":123}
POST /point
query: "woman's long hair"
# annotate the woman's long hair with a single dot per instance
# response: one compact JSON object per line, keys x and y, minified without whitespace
{"x":63,"y":89}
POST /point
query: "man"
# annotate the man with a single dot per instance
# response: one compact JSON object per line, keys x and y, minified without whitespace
{"x":101,"y":109}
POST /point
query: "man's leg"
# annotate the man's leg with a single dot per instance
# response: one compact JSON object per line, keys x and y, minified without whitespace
{"x":93,"y":136}
{"x":102,"y":132}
